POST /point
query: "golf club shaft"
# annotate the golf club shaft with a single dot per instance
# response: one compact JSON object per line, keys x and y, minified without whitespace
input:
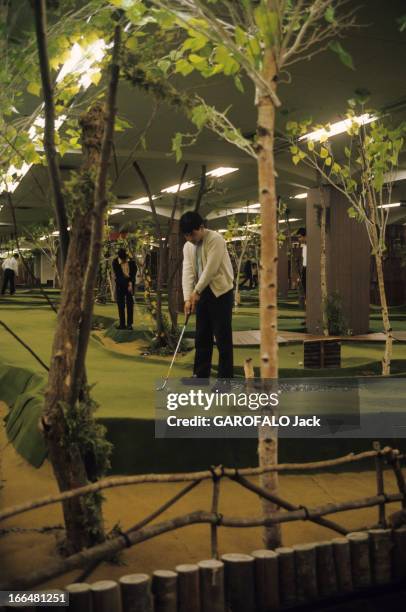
{"x":177,"y":346}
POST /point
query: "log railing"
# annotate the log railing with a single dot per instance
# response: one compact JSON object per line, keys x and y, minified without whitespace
{"x":143,"y":531}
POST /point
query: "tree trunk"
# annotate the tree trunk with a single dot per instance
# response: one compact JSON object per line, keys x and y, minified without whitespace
{"x":377,"y":247}
{"x":386,"y":360}
{"x":268,"y":444}
{"x":323,"y":262}
{"x":83,"y":520}
{"x":175,"y":297}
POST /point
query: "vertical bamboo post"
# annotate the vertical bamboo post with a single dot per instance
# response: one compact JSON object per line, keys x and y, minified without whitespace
{"x":106,"y":596}
{"x":188,"y":588}
{"x":306,"y":575}
{"x":379,"y":484}
{"x":80,"y":597}
{"x":239,"y":582}
{"x":287,"y":575}
{"x":399,"y":553}
{"x":380,"y":541}
{"x":266,"y":567}
{"x":326,"y":570}
{"x":136,"y":593}
{"x":214,"y":509}
{"x":400,"y":479}
{"x":342,"y":561}
{"x":164,"y":588}
{"x":212,"y":585}
{"x":360,"y":562}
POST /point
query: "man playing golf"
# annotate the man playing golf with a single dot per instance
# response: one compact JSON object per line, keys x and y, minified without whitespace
{"x":207,"y":281}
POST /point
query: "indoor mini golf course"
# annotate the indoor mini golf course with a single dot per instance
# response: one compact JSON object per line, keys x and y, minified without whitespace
{"x":125,"y":376}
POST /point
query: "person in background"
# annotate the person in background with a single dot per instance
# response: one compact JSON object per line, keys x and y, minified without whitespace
{"x":208,"y":282}
{"x":301,"y":234}
{"x":125,"y":271}
{"x":254,"y":275}
{"x":10,"y":267}
{"x":248,"y":274}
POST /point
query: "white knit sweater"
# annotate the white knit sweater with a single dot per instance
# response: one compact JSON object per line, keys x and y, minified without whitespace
{"x":217,"y":268}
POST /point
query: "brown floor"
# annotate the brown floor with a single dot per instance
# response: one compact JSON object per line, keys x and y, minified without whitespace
{"x":22,"y":553}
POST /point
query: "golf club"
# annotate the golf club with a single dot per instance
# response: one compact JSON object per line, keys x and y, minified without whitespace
{"x":174,"y":355}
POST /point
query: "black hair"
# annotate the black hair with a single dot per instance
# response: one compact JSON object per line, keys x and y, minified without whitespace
{"x":190,"y":221}
{"x":301,"y":232}
{"x":122,"y":253}
{"x":16,"y":255}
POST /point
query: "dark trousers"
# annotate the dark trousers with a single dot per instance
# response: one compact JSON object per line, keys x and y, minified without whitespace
{"x":213,"y":319}
{"x":9,"y":277}
{"x":125,"y":299}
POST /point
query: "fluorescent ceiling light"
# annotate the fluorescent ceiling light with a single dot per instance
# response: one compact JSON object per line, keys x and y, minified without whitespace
{"x":299,"y":196}
{"x":143,"y":200}
{"x":291,"y":220}
{"x":394,"y":205}
{"x":176,"y":188}
{"x":82,"y":62}
{"x":221,"y":171}
{"x":216,"y":172}
{"x":339,"y":127}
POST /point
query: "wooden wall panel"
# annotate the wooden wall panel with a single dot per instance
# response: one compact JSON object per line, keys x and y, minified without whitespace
{"x":348,"y":262}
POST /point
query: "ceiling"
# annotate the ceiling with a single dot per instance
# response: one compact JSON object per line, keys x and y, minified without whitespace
{"x":319,"y":89}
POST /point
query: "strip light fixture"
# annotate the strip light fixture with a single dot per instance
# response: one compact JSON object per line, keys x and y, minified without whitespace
{"x":339,"y":127}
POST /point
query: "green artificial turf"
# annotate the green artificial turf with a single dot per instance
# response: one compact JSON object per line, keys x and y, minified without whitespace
{"x":124,"y":384}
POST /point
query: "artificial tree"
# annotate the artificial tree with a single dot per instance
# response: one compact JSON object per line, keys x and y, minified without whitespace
{"x":258,"y":40}
{"x":364,"y":174}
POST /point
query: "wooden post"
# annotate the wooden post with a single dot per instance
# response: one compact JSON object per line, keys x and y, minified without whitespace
{"x":399,"y":553}
{"x":212,"y":585}
{"x":136,"y":593}
{"x":80,"y":597}
{"x":214,"y":509}
{"x":379,"y":484}
{"x":400,"y":479}
{"x":188,"y":588}
{"x":287,"y":575}
{"x":326,"y":570}
{"x":342,"y":560}
{"x":360,"y":562}
{"x":306,"y":575}
{"x":164,"y":588}
{"x":266,"y":580}
{"x":239,"y":582}
{"x":380,"y":541}
{"x":106,"y":596}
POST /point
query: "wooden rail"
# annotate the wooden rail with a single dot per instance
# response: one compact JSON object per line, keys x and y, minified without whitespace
{"x":142,"y":530}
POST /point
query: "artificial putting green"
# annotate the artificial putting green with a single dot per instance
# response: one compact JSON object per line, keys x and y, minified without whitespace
{"x":124,"y":386}
{"x":125,"y":383}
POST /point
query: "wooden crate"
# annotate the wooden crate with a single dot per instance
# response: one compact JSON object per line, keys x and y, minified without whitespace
{"x":322,"y":354}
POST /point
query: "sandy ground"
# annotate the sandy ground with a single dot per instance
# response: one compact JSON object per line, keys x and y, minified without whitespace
{"x":21,"y":553}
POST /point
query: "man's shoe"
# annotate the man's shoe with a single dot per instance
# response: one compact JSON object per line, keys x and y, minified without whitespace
{"x":130,"y":327}
{"x":120,"y":327}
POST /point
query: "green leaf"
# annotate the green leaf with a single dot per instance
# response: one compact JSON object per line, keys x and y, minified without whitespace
{"x":177,"y":145}
{"x":296,"y":159}
{"x":132,"y":43}
{"x":199,"y":115}
{"x":344,"y":56}
{"x":329,"y":15}
{"x":324,"y":153}
{"x":238,"y":84}
{"x":184,"y":67}
{"x":34,"y":88}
